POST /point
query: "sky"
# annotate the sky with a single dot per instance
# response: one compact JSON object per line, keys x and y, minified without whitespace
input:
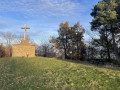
{"x":44,"y":16}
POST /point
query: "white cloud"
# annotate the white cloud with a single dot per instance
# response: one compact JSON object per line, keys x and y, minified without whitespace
{"x":42,"y":7}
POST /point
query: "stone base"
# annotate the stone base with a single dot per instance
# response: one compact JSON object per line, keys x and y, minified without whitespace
{"x":23,"y":49}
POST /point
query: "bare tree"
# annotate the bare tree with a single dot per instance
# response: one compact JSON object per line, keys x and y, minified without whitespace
{"x":45,"y":49}
{"x":9,"y":37}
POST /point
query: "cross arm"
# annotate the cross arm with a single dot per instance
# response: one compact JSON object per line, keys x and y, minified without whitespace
{"x":25,"y":28}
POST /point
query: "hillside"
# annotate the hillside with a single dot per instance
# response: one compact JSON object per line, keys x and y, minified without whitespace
{"x":47,"y":73}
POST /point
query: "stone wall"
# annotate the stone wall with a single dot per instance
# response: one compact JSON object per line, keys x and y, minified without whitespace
{"x":21,"y":50}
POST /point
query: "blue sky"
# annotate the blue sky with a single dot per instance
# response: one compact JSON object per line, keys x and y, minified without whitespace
{"x":43,"y":16}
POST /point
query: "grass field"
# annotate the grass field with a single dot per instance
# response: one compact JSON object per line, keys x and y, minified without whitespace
{"x":51,"y":74}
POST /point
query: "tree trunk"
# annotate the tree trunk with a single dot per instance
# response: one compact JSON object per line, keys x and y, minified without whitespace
{"x":108,"y":48}
{"x":114,"y":46}
{"x":108,"y":53}
{"x":77,"y":51}
{"x":65,"y":53}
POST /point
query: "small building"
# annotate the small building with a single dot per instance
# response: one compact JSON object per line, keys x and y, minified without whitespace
{"x":24,"y":49}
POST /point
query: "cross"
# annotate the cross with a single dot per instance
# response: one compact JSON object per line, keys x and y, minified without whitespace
{"x":25,"y":31}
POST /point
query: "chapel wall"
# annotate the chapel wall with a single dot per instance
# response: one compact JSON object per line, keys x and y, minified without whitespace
{"x":20,"y":50}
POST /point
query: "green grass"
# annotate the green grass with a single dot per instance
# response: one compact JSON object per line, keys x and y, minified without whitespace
{"x":51,"y":74}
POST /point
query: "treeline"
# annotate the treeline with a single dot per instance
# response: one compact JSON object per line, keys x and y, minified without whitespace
{"x":70,"y":41}
{"x":106,"y":22}
{"x":45,"y":49}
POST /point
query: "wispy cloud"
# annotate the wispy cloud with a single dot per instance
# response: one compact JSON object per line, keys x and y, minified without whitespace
{"x":42,"y":7}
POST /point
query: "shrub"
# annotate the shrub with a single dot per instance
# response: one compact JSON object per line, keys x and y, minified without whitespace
{"x":2,"y":51}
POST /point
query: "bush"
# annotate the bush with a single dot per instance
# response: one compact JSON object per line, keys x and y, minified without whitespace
{"x":2,"y":51}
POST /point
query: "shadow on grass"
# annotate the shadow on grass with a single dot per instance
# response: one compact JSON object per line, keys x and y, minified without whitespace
{"x":87,"y":63}
{"x":106,"y":65}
